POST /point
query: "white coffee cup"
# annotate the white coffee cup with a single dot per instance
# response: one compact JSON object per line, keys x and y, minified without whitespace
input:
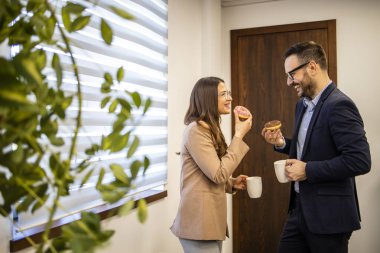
{"x":254,"y":187}
{"x":279,"y":168}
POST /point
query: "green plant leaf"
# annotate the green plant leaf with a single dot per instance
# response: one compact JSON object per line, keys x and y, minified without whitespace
{"x":49,"y":28}
{"x":33,"y":143}
{"x":38,"y":20}
{"x":118,"y":125}
{"x":59,"y":111}
{"x":136,"y":99}
{"x":28,"y":68}
{"x":31,"y":174}
{"x":119,"y":173}
{"x":113,"y":106}
{"x":17,"y":155}
{"x":125,"y":113}
{"x":94,"y":148}
{"x":135,"y":167}
{"x":142,"y":211}
{"x":40,"y":59}
{"x":24,"y":204}
{"x":105,"y":235}
{"x":133,"y":147}
{"x":106,"y":32}
{"x":60,"y":244}
{"x":147,"y":105}
{"x":102,"y":172}
{"x":86,"y":178}
{"x":89,"y":151}
{"x":146,"y":164}
{"x":14,"y":195}
{"x":121,"y":143}
{"x":120,"y":74}
{"x":4,"y":34}
{"x":66,"y":19}
{"x":66,"y":102}
{"x":84,"y":235}
{"x":56,"y":65}
{"x":112,"y":196}
{"x":121,"y":13}
{"x":106,"y":87}
{"x":126,"y":105}
{"x":106,"y":143}
{"x":21,"y":32}
{"x":105,"y":101}
{"x":14,"y":97}
{"x":83,"y":165}
{"x":108,"y":78}
{"x":48,"y":126}
{"x":91,"y":220}
{"x":31,"y":5}
{"x":40,"y":203}
{"x":56,"y":141}
{"x":126,"y":208}
{"x":74,"y":8}
{"x":79,"y":23}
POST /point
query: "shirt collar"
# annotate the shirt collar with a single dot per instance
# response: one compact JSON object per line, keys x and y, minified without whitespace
{"x":310,"y":104}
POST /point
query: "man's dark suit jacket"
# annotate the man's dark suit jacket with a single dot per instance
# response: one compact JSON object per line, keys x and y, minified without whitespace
{"x":335,"y":150}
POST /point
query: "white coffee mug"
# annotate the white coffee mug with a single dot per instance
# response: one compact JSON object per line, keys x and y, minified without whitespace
{"x":254,"y":187}
{"x":279,"y":168}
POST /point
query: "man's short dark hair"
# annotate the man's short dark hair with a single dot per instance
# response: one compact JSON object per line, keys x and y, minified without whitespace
{"x":307,"y":51}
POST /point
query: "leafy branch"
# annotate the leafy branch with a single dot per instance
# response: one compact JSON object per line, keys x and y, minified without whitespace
{"x":31,"y":111}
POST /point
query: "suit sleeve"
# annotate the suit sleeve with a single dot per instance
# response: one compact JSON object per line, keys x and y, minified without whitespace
{"x":286,"y":149}
{"x":348,"y":135}
{"x":202,"y":150}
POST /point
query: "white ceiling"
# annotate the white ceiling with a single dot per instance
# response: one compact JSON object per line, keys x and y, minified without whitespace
{"x":228,"y":3}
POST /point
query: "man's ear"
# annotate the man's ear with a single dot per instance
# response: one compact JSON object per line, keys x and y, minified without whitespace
{"x":313,"y":67}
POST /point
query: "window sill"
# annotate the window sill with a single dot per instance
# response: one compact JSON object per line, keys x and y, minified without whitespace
{"x":105,"y":211}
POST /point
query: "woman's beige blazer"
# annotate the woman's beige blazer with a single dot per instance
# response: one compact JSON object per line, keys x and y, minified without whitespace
{"x":205,"y":179}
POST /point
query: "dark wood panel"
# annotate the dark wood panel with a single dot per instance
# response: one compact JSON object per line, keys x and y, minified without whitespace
{"x":259,"y":83}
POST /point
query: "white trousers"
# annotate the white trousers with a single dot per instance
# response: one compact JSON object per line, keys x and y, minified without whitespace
{"x":201,"y":246}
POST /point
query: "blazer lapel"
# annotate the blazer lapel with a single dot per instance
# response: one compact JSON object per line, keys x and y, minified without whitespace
{"x":316,"y":112}
{"x":300,"y":110}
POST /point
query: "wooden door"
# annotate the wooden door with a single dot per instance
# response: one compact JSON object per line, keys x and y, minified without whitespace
{"x":259,"y":83}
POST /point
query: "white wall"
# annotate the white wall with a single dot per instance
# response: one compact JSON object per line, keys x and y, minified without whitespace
{"x":358,"y":51}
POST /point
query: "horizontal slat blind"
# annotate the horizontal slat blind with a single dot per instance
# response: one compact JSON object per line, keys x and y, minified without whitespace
{"x":140,"y":46}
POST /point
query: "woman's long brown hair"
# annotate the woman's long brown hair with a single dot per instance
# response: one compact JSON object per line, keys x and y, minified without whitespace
{"x":204,"y":107}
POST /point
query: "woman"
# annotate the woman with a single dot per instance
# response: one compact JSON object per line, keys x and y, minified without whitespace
{"x":207,"y":166}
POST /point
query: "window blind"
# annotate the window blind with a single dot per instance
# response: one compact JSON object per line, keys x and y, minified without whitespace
{"x":140,"y":47}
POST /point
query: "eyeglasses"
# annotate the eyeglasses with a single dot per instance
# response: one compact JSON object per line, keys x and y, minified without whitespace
{"x":226,"y":94}
{"x":293,"y":71}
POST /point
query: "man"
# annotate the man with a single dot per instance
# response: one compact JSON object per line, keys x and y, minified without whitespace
{"x":328,"y":149}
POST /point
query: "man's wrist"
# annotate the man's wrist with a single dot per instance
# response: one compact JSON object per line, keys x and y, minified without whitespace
{"x":282,"y":146}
